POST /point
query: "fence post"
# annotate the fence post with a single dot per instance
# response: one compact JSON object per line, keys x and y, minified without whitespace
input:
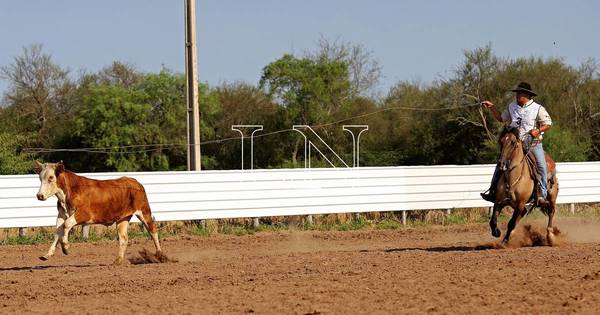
{"x":22,"y":232}
{"x":85,"y":232}
{"x":404,"y":217}
{"x":309,"y":219}
{"x":255,"y":223}
{"x":572,"y":208}
{"x":448,"y":211}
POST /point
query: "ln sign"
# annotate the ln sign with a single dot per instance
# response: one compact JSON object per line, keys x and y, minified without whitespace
{"x":312,"y":142}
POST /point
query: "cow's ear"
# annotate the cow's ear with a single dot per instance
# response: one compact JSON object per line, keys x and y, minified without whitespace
{"x":60,"y":167}
{"x":37,"y":167}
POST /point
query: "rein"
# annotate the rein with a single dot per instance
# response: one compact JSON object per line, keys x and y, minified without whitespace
{"x":522,"y":163}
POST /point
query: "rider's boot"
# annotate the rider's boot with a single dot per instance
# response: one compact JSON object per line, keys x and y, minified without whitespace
{"x":489,"y":195}
{"x":541,"y":200}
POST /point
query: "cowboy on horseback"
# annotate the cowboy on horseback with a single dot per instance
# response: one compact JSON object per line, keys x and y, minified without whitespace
{"x":532,"y":120}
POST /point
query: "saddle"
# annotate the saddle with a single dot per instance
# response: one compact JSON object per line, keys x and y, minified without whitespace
{"x":550,"y":165}
{"x":536,"y":176}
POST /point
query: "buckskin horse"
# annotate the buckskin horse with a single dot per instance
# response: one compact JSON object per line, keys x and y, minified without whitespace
{"x":517,"y":185}
{"x":82,"y":200}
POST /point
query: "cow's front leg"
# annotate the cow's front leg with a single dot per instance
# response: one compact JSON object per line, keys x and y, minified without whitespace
{"x":58,"y":234}
{"x":70,"y":222}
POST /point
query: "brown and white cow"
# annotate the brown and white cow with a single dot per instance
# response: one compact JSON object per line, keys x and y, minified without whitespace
{"x":82,"y":200}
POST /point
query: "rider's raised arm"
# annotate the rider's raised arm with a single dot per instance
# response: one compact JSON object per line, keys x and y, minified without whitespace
{"x":506,"y":116}
{"x":499,"y":117}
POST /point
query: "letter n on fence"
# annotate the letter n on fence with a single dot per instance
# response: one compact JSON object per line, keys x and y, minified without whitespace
{"x":312,"y":141}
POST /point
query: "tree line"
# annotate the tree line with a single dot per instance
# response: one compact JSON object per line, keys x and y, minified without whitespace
{"x":124,"y":119}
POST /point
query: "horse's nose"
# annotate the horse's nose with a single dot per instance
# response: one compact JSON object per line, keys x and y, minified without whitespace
{"x":40,"y":197}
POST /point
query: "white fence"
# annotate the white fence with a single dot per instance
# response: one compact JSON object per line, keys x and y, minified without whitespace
{"x":259,"y":193}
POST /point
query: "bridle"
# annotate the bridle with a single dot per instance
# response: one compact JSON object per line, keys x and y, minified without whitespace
{"x":514,"y":146}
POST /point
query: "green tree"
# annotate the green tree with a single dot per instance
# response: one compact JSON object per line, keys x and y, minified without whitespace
{"x":117,"y":120}
{"x":165,"y":93}
{"x":309,"y":91}
{"x":12,"y":161}
{"x":244,"y":104}
{"x":565,"y":146}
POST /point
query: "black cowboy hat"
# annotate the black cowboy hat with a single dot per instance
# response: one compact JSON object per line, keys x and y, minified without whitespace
{"x":524,"y":87}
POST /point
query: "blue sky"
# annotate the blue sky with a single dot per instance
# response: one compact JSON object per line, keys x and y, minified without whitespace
{"x":412,"y":40}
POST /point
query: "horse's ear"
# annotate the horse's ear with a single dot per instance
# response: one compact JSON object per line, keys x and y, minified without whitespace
{"x":503,"y":132}
{"x":60,"y":167}
{"x":37,"y":167}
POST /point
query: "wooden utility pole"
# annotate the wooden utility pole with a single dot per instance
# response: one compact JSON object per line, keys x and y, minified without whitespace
{"x":191,"y":72}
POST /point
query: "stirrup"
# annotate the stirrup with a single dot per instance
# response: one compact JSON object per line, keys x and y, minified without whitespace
{"x":541,"y":201}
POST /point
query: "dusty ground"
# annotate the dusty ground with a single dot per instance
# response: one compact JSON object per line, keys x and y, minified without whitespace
{"x":437,"y":270}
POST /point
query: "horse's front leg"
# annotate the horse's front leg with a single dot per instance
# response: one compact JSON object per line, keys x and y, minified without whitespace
{"x":550,"y":237}
{"x":494,"y":220}
{"x":550,"y":210}
{"x":518,"y":213}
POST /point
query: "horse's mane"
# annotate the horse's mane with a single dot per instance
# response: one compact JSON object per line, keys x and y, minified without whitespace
{"x":509,"y":129}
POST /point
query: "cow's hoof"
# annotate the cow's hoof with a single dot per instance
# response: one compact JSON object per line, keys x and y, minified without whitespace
{"x":118,"y":261}
{"x":44,"y":258}
{"x":496,"y":232}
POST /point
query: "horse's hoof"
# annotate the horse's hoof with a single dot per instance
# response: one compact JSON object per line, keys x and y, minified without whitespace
{"x":496,"y":232}
{"x":43,"y":258}
{"x":118,"y":261}
{"x":551,"y":239}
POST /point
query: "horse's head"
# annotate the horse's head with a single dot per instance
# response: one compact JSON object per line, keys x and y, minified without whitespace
{"x":48,"y":173}
{"x":510,"y":144}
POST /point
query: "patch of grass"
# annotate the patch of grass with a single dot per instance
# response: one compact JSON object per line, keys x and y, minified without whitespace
{"x":356,"y":224}
{"x":38,"y":238}
{"x":92,"y":237}
{"x":455,"y":219}
{"x":307,"y":226}
{"x":198,"y":230}
{"x":272,"y":227}
{"x":139,"y":234}
{"x":388,"y":225}
{"x":485,"y":219}
{"x":106,"y":235}
{"x":237,"y":230}
{"x":45,"y":237}
{"x":240,"y":227}
{"x":418,"y":223}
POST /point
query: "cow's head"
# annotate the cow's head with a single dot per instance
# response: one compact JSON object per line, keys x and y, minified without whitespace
{"x":49,"y":173}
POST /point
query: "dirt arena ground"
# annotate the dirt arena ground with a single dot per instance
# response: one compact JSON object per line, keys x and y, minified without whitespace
{"x":438,"y":269}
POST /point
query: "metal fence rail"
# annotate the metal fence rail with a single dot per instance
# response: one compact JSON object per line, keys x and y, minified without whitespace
{"x":259,"y":193}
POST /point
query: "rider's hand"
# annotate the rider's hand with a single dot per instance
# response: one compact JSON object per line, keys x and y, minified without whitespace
{"x":487,"y":104}
{"x":534,"y":133}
